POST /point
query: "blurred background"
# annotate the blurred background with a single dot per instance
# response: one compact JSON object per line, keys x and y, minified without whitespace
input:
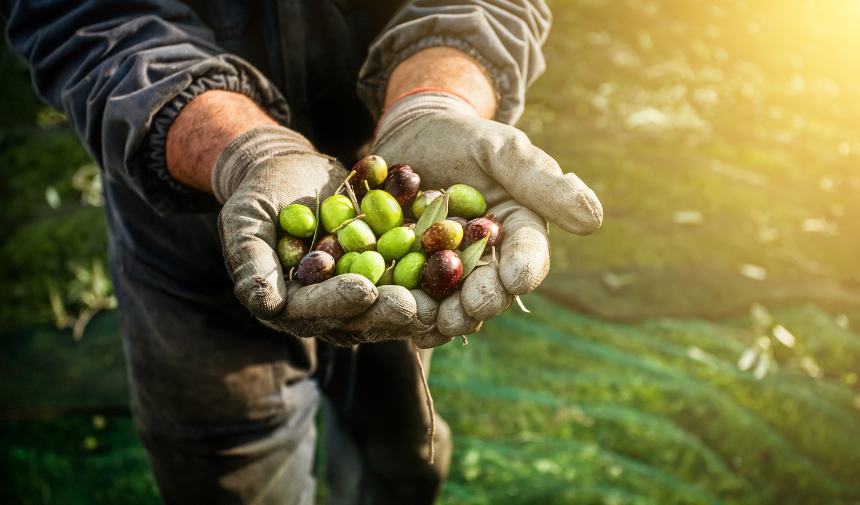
{"x":700,"y":348}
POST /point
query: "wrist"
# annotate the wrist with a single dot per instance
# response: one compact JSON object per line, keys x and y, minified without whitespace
{"x":418,"y":103}
{"x":250,"y":149}
{"x":201,"y":131}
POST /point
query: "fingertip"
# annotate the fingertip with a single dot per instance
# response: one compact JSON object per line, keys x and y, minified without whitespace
{"x":453,"y":319}
{"x":483,"y":295}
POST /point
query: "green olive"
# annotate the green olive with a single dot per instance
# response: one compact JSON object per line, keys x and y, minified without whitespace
{"x":407,"y":273}
{"x":356,"y":237}
{"x":423,"y":200}
{"x":465,"y":201}
{"x":381,"y":210}
{"x":369,"y":264}
{"x":298,"y":220}
{"x":335,"y":210}
{"x":345,"y":263}
{"x":395,"y":243}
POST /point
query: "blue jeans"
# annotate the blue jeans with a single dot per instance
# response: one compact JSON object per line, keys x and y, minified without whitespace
{"x":225,"y":407}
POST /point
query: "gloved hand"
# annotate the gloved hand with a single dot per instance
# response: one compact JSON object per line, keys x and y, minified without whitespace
{"x":446,"y":141}
{"x":255,"y":177}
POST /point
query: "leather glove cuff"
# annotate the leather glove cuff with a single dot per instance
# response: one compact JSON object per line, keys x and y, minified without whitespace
{"x":250,"y":149}
{"x":413,"y":105}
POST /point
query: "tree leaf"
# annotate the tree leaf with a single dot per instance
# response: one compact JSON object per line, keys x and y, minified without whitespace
{"x":472,"y":255}
{"x":435,"y":212}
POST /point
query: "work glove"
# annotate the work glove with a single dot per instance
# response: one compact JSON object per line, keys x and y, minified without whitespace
{"x":447,"y":142}
{"x":255,"y":177}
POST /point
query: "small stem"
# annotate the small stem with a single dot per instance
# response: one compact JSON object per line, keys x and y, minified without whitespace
{"x":520,"y":303}
{"x":465,"y":340}
{"x":351,"y":194}
{"x":493,"y":251}
{"x":291,"y":273}
{"x":366,"y":185}
{"x":432,"y":432}
{"x":348,"y":177}
{"x":347,"y":223}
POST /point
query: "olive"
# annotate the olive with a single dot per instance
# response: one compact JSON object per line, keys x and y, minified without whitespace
{"x":403,"y":185}
{"x":407,"y":272}
{"x":400,"y":166}
{"x":291,"y":250}
{"x":335,"y":210}
{"x":371,"y":169}
{"x":330,"y":245}
{"x":298,"y":220}
{"x":441,"y":274}
{"x":316,"y":267}
{"x":442,"y":235}
{"x":381,"y":210}
{"x":423,"y":200}
{"x":356,"y":237}
{"x":465,"y":201}
{"x":479,"y":228}
{"x":345,"y":262}
{"x":395,"y":243}
{"x":369,"y":264}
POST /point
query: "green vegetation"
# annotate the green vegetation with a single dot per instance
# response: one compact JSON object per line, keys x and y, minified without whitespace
{"x":721,"y":137}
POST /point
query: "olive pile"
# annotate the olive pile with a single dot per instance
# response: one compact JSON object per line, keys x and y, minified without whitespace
{"x":371,"y":232}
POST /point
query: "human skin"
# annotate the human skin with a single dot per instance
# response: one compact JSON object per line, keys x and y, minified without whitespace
{"x":212,"y":119}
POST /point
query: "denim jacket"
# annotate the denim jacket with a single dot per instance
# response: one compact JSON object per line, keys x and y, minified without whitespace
{"x":122,"y":71}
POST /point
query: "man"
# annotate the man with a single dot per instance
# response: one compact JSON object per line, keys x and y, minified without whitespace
{"x":181,"y":104}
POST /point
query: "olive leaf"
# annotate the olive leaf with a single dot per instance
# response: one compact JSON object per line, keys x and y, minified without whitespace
{"x":472,"y":255}
{"x":435,"y":212}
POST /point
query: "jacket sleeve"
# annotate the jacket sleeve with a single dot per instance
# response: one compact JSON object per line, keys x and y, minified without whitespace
{"x":121,"y":72}
{"x":505,"y":36}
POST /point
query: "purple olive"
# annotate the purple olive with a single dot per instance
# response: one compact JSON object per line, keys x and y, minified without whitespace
{"x":403,"y":185}
{"x":442,"y":235}
{"x":330,"y":245}
{"x":479,"y":228}
{"x":441,"y":274}
{"x":409,"y":225}
{"x":462,"y":220}
{"x":315,"y":267}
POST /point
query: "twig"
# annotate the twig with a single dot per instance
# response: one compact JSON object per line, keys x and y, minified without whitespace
{"x":351,"y":194}
{"x":465,"y":340}
{"x":347,"y":223}
{"x":339,"y":188}
{"x":432,"y":432}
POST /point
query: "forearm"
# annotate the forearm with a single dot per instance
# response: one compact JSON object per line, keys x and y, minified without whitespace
{"x":448,"y":69}
{"x":203,"y":129}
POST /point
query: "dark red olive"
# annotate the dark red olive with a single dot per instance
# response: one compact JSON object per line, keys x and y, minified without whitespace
{"x":442,"y":235}
{"x":400,"y":166}
{"x":330,"y":245}
{"x":441,"y":274}
{"x":403,"y":185}
{"x":316,"y":267}
{"x":479,"y":227}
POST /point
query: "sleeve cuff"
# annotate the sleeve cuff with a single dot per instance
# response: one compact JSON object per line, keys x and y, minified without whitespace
{"x":507,"y":47}
{"x":161,"y":190}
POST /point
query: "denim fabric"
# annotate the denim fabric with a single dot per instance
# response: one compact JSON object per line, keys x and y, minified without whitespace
{"x":223,"y":405}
